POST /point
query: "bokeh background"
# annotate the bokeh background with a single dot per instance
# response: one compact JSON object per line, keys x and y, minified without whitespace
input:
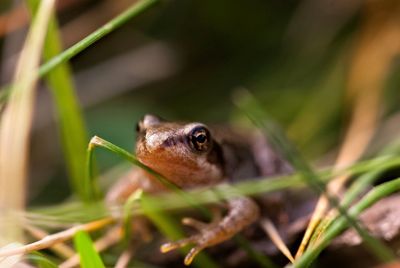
{"x":316,"y":66}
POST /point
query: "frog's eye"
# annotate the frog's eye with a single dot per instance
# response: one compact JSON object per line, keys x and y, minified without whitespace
{"x":199,"y":138}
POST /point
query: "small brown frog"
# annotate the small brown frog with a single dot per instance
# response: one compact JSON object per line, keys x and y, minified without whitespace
{"x":194,"y":155}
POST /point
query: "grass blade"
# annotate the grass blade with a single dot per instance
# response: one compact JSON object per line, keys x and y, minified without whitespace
{"x":41,"y":261}
{"x":70,"y":120}
{"x":14,"y":138}
{"x":89,"y":258}
{"x":136,"y":9}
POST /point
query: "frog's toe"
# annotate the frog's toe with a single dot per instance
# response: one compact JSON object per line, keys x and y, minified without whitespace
{"x":183,"y":242}
{"x":192,"y":253}
{"x":207,"y":234}
{"x":196,"y":224}
{"x":178,"y":244}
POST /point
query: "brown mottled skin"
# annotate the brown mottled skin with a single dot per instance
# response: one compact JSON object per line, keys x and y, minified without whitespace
{"x":194,"y":155}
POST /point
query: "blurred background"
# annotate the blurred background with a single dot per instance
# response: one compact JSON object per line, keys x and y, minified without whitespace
{"x":316,"y":66}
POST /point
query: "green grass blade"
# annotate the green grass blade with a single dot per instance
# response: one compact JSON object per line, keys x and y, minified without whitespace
{"x":70,"y":120}
{"x":136,"y":9}
{"x":89,"y":258}
{"x":41,"y":261}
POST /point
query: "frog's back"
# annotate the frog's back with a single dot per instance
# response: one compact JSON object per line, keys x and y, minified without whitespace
{"x":247,"y":154}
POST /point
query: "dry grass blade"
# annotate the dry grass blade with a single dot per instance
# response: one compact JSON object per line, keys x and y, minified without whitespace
{"x":369,"y":67}
{"x":61,"y":249}
{"x":16,"y":123}
{"x":270,"y":229}
{"x":125,"y":258}
{"x":12,"y":261}
{"x":53,"y":239}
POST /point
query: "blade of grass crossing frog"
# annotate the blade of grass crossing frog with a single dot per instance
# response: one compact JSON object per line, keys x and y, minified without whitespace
{"x":263,"y":185}
{"x":70,"y":212}
{"x":253,"y":110}
{"x":341,"y":223}
{"x":89,"y":257}
{"x":170,"y":228}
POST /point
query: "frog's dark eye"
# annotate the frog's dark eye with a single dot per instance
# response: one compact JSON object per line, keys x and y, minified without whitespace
{"x":199,"y":138}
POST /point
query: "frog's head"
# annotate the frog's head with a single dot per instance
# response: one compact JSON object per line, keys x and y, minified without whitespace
{"x":185,"y":154}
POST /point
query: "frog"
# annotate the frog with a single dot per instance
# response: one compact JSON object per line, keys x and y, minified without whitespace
{"x":192,"y":155}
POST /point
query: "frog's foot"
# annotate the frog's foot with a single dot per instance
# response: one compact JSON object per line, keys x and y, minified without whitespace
{"x":216,"y":216}
{"x":200,"y":240}
{"x":242,"y":212}
{"x":202,"y":228}
{"x":181,"y":243}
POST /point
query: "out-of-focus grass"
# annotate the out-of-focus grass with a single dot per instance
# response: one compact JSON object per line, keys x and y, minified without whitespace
{"x":89,"y":257}
{"x":70,"y":119}
{"x":41,"y":261}
{"x":14,"y":138}
{"x":136,"y":9}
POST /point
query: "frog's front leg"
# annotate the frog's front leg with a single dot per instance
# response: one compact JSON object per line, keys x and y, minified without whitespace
{"x":242,"y":212}
{"x":134,"y":180}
